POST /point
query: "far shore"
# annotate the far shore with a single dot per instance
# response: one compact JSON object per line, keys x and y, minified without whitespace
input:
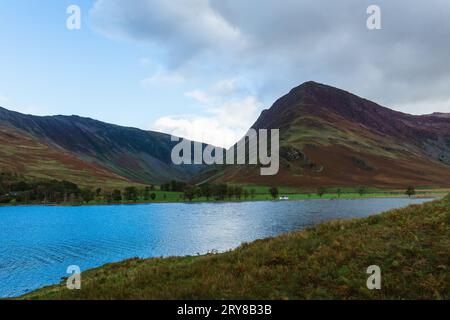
{"x":258,"y":198}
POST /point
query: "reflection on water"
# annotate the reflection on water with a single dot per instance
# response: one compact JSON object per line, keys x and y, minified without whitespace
{"x":38,"y":243}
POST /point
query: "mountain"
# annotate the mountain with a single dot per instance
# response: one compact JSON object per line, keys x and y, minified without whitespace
{"x":330,"y":137}
{"x":26,"y":155}
{"x":127,"y":154}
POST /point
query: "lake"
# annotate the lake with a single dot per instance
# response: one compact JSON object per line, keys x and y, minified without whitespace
{"x":38,"y":243}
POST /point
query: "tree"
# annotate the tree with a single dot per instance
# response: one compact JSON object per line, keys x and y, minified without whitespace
{"x":238,"y":191}
{"x":73,"y":198}
{"x":206,"y":191}
{"x":230,"y":192}
{"x":147,"y":193}
{"x":189,"y":193}
{"x":87,"y":195}
{"x":153,"y":196}
{"x":177,"y":186}
{"x":130,"y":194}
{"x":362,"y":191}
{"x":246,"y":194}
{"x":339,"y":192}
{"x":252,"y":193}
{"x":98,"y":192}
{"x":410,"y":191}
{"x":107,"y":196}
{"x":321,"y":191}
{"x":116,"y":195}
{"x":220,"y":191}
{"x":274,"y":192}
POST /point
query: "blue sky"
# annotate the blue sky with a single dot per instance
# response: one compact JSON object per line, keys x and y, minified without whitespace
{"x":47,"y":69}
{"x":206,"y":69}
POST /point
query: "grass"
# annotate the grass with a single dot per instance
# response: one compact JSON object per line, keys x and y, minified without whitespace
{"x":327,"y":134}
{"x":328,"y":261}
{"x":34,"y":160}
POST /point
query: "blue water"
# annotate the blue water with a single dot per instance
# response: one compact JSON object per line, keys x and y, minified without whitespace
{"x":38,"y":243}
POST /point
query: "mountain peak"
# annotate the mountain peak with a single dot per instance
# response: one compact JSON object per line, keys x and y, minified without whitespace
{"x":310,"y":86}
{"x":316,"y":94}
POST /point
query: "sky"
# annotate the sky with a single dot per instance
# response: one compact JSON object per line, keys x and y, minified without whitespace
{"x":205,"y":69}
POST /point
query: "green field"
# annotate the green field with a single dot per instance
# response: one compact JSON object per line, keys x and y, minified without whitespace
{"x":328,"y":261}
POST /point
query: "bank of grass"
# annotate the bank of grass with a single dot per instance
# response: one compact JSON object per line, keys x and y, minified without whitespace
{"x":328,"y":261}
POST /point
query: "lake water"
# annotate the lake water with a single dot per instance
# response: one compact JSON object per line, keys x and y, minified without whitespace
{"x":38,"y":243}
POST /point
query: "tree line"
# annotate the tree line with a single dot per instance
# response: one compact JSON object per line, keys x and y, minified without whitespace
{"x":16,"y":189}
{"x":218,"y":192}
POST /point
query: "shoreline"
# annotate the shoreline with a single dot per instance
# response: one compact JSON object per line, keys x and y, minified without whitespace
{"x":381,"y":196}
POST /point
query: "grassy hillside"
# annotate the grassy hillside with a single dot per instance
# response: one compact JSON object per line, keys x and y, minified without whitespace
{"x":329,"y":261}
{"x":22,"y":153}
{"x":137,"y":155}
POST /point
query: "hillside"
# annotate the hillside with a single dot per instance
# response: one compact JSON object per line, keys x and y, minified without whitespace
{"x":23,"y":154}
{"x":329,"y":261}
{"x":330,"y":137}
{"x":136,"y":155}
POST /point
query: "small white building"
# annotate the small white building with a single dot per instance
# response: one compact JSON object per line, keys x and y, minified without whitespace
{"x":284,"y":198}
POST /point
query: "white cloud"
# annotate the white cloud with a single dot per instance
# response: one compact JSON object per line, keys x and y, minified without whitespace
{"x":237,"y":113}
{"x":163,"y":78}
{"x":200,"y":96}
{"x":279,"y":45}
{"x":224,"y":119}
{"x":203,"y":129}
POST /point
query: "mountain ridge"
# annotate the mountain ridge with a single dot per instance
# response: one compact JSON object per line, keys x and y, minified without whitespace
{"x":328,"y":137}
{"x":135,"y":154}
{"x":332,"y":137}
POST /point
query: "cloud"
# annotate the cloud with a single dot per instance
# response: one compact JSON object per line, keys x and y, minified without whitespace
{"x":224,"y":120}
{"x":183,"y":29}
{"x":217,"y":92}
{"x":200,"y":96}
{"x":163,"y":78}
{"x":203,"y":129}
{"x":279,"y":45}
